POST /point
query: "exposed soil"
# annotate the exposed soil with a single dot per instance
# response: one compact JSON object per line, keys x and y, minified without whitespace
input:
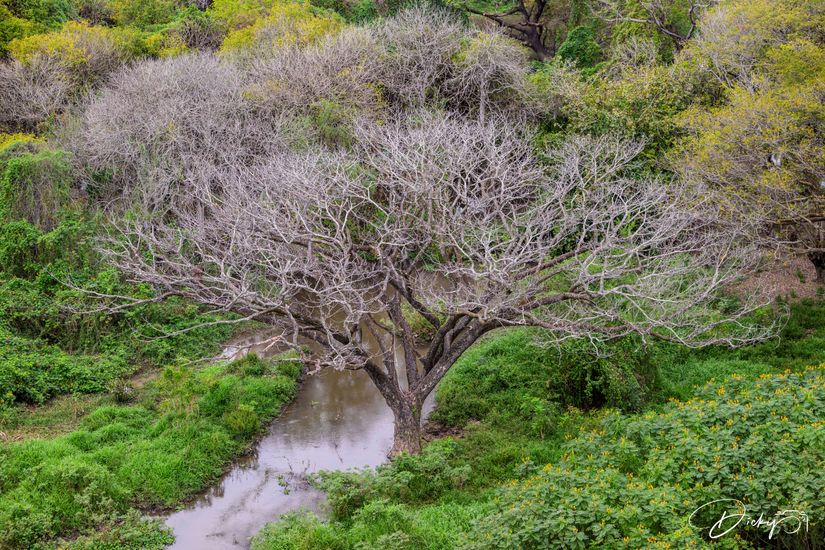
{"x":790,"y":278}
{"x":434,"y":430}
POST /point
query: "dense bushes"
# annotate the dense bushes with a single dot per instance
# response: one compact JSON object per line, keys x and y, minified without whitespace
{"x":48,"y":72}
{"x":634,"y":482}
{"x":35,"y":187}
{"x":290,"y":75}
{"x":516,"y":380}
{"x":51,"y":343}
{"x":287,"y":24}
{"x":408,"y":479}
{"x":21,"y":18}
{"x":605,"y":464}
{"x":32,"y":372}
{"x":184,"y":430}
{"x":146,"y":131}
{"x":606,"y":479}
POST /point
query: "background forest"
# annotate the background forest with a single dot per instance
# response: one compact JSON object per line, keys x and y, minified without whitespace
{"x":115,"y":112}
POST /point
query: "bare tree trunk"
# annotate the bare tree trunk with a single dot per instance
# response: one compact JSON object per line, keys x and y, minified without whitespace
{"x":818,"y":259}
{"x":525,"y":26}
{"x":407,"y":434}
{"x":406,"y":410}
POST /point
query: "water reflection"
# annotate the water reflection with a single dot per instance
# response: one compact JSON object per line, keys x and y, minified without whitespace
{"x":337,"y":421}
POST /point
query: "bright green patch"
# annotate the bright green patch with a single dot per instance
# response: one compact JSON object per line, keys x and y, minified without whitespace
{"x":185,"y":429}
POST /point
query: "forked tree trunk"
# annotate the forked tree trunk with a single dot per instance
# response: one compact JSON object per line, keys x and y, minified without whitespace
{"x":405,"y":409}
{"x":406,"y":404}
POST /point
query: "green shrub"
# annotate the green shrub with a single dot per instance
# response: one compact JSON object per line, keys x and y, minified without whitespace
{"x":49,"y":13}
{"x":35,"y":187}
{"x":580,"y":47}
{"x":18,"y":248}
{"x":405,"y":479}
{"x":250,"y":365}
{"x":380,"y":525}
{"x":299,"y":531}
{"x":511,"y":376}
{"x":144,"y":13}
{"x":242,"y":422}
{"x":364,"y":11}
{"x":12,"y":27}
{"x":32,"y":372}
{"x":634,"y":481}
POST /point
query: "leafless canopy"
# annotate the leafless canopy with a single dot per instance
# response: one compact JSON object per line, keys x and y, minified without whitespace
{"x":459,"y":221}
{"x":30,"y":93}
{"x":415,"y":59}
{"x":441,"y":209}
{"x":165,"y":129}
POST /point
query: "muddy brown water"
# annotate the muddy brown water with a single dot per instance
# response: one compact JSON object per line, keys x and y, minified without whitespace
{"x":338,"y":421}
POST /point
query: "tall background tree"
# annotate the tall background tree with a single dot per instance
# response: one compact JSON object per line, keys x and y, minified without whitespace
{"x":763,"y":141}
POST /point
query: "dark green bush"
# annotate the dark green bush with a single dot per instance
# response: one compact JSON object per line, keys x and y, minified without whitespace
{"x":35,"y":187}
{"x":580,"y":47}
{"x":44,"y":13}
{"x":32,"y":372}
{"x":406,"y":479}
{"x":513,"y":377}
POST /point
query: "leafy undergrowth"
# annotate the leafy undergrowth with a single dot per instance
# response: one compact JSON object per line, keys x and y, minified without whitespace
{"x":549,"y":459}
{"x":54,"y":338}
{"x":178,"y":435}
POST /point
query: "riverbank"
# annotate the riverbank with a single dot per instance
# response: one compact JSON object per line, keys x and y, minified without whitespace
{"x":174,"y":437}
{"x":507,"y":410}
{"x":551,"y":445}
{"x":337,"y":421}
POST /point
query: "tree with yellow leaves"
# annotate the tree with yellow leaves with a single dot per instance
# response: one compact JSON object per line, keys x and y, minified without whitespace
{"x":765,"y":142}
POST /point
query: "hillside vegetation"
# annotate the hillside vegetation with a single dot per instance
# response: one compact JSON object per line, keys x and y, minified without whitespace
{"x":561,"y":201}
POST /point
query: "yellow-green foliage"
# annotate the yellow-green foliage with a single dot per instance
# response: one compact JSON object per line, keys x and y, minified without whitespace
{"x":164,"y":44}
{"x":237,"y":14}
{"x":730,"y":145}
{"x":8,"y":140}
{"x":12,"y":27}
{"x":288,"y":23}
{"x":642,"y":103}
{"x":21,"y":18}
{"x":76,"y":44}
{"x":738,"y":37}
{"x":144,"y":13}
{"x":771,"y":60}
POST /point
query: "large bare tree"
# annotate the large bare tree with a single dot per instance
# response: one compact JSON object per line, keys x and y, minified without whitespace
{"x":457,"y":221}
{"x":438,"y":209}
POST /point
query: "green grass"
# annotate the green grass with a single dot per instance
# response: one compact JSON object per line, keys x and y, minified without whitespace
{"x":180,"y":435}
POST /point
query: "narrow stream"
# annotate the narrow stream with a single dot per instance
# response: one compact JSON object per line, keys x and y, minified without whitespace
{"x":337,"y":421}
